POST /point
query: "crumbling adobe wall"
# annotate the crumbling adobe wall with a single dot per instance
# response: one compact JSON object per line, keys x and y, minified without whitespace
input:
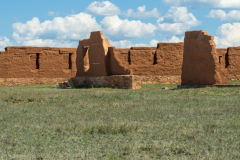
{"x":118,"y":61}
{"x":232,"y":61}
{"x":169,"y":58}
{"x":140,"y":56}
{"x":92,"y":55}
{"x":95,"y":57}
{"x":200,"y":60}
{"x":38,"y":62}
{"x":222,"y":55}
{"x":166,"y":59}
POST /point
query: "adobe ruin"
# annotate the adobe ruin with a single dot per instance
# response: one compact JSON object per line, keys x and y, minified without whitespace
{"x":91,"y":56}
{"x":200,"y":60}
{"x":36,"y":65}
{"x":95,"y":57}
{"x":96,"y":62}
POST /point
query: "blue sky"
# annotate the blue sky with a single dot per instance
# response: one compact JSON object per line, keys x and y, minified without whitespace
{"x":126,"y":23}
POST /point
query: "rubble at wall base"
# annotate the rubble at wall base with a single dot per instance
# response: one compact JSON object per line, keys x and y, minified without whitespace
{"x":123,"y":81}
{"x":120,"y":81}
{"x":233,"y":77}
{"x":30,"y":81}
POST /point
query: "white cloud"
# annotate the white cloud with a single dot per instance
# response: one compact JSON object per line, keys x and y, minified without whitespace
{"x":174,"y":2}
{"x":153,"y":43}
{"x":228,"y":35}
{"x":51,"y":13}
{"x":104,"y":8}
{"x":128,"y":44}
{"x":142,"y":13}
{"x":119,"y":29}
{"x":174,"y":39}
{"x":233,"y":15}
{"x":227,"y":4}
{"x":177,"y":21}
{"x":74,"y":27}
{"x":141,"y":45}
{"x":4,"y":42}
{"x":50,"y":43}
{"x":121,"y":44}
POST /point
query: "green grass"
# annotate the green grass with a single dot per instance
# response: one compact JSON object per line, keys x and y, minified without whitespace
{"x":45,"y":122}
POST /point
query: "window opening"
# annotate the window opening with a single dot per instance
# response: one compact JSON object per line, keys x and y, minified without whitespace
{"x":37,"y":61}
{"x":70,"y":61}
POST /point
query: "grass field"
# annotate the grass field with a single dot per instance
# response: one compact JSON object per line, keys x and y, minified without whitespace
{"x":45,"y":122}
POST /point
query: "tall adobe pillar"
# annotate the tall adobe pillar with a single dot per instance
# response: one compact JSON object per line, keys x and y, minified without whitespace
{"x":91,"y":55}
{"x":200,"y":60}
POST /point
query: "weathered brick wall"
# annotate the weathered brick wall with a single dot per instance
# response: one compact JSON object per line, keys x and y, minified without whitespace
{"x":38,"y":62}
{"x":233,"y":59}
{"x":200,"y":60}
{"x":222,"y":58}
{"x":91,"y":55}
{"x":164,"y":60}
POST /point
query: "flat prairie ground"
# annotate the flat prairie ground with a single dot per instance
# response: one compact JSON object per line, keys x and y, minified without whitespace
{"x":45,"y":122}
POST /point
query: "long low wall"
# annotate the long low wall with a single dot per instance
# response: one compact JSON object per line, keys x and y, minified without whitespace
{"x":122,"y":81}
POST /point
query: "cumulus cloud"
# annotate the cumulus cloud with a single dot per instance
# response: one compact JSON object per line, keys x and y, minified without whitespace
{"x":142,"y":13}
{"x":51,"y":13}
{"x":104,"y":8}
{"x":121,"y":44}
{"x":49,"y":43}
{"x":128,"y":44}
{"x":74,"y":27}
{"x":233,"y":15}
{"x":227,"y":4}
{"x":174,"y":2}
{"x":176,"y":21}
{"x":119,"y":29}
{"x":174,"y":39}
{"x":141,"y":45}
{"x":4,"y":42}
{"x":153,"y":43}
{"x":228,"y":35}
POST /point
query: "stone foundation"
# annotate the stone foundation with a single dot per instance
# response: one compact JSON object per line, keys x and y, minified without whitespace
{"x":119,"y":81}
{"x":204,"y":86}
{"x":233,"y":77}
{"x":30,"y":81}
{"x":123,"y":81}
{"x":159,"y":79}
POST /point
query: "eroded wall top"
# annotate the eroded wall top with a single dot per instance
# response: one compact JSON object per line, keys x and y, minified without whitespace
{"x":200,"y":60}
{"x":37,"y":62}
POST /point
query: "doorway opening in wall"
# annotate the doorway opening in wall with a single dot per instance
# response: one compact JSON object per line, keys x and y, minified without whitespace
{"x":37,"y":60}
{"x":70,"y":61}
{"x":220,"y":57}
